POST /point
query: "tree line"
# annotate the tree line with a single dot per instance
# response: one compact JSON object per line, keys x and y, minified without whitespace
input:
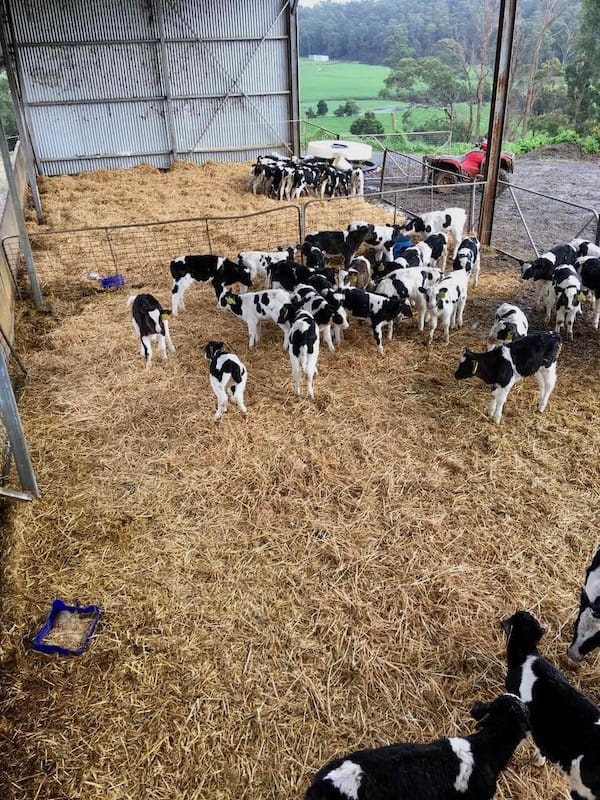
{"x":442,"y":53}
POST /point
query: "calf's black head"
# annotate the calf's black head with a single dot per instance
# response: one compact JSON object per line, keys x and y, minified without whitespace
{"x":467,"y":366}
{"x":506,"y":708}
{"x":523,"y":628}
{"x":213,"y":349}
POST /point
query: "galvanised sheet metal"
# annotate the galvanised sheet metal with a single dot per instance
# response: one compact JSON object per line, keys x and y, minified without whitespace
{"x":235,"y":19}
{"x":73,"y":166}
{"x":241,"y":155}
{"x":236,"y":122}
{"x":82,"y":21}
{"x":101,"y":129}
{"x":205,"y":82}
{"x":91,"y":72}
{"x":220,"y":66}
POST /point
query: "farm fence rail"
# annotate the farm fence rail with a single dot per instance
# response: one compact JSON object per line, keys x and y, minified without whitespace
{"x":137,"y":250}
{"x":524,"y":219}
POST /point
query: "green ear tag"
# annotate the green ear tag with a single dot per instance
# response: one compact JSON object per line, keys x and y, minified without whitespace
{"x":165,"y":315}
{"x":581,"y":297}
{"x":230,"y":300}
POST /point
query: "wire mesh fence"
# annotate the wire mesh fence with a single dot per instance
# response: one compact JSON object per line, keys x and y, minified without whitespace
{"x":137,"y":251}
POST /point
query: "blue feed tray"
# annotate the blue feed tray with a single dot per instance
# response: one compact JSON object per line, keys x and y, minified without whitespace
{"x":67,"y":629}
{"x":113,"y":280}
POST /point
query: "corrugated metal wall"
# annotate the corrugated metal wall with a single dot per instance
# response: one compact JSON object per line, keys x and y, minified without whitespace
{"x":119,"y":83}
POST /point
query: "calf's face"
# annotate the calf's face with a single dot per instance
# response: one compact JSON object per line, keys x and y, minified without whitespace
{"x":212,"y":348}
{"x":467,"y":366}
{"x":586,"y":634}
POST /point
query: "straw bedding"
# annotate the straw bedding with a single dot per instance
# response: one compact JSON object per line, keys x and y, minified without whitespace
{"x":316,"y":577}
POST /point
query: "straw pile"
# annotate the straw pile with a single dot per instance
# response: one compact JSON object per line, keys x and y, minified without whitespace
{"x":276,"y":589}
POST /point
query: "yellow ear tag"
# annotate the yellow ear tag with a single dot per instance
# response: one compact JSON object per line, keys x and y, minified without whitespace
{"x":353,"y":279}
{"x":442,"y":292}
{"x":164,"y":316}
{"x":510,"y":336}
{"x":475,"y":368}
{"x":581,"y":297}
{"x":230,"y":300}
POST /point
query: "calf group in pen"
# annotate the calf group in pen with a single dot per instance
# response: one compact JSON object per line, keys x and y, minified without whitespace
{"x":291,"y":178}
{"x":383,"y":278}
{"x":386,"y":277}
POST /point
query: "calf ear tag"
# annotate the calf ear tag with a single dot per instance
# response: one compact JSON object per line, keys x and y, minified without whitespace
{"x":581,"y":297}
{"x":230,"y":300}
{"x":165,"y":316}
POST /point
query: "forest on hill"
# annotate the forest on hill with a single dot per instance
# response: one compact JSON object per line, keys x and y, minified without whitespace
{"x":442,"y":53}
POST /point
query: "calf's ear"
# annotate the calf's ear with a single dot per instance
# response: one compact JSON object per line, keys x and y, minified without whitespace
{"x":480,"y":710}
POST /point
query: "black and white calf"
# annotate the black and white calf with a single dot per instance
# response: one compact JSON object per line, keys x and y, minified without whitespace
{"x":289,"y":274}
{"x":502,"y":367}
{"x":566,"y":296}
{"x":303,"y":349}
{"x":438,"y":243}
{"x":542,"y":269}
{"x":358,"y":274}
{"x":257,"y":262}
{"x":327,"y":311}
{"x":187,"y":270}
{"x":377,"y":308}
{"x":414,"y":284}
{"x":585,"y":248}
{"x":452,"y":768}
{"x":509,"y":323}
{"x":588,"y":268}
{"x":564,"y":723}
{"x":468,"y":256}
{"x":447,"y":300}
{"x":586,"y":634}
{"x":227,"y":376}
{"x":150,"y":321}
{"x":450,"y":220}
{"x":381,"y":238}
{"x":253,"y":307}
{"x":344,"y":243}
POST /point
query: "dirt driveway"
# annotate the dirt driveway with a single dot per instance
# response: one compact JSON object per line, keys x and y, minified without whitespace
{"x":565,"y":177}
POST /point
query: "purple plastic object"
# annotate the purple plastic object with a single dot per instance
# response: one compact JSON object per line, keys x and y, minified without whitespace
{"x":112,"y":281}
{"x":59,"y":605}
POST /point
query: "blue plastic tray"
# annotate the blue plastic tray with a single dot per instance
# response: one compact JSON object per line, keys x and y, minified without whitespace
{"x":113,"y":280}
{"x":59,"y":606}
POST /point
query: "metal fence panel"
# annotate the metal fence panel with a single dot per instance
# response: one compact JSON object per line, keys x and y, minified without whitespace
{"x":143,"y":250}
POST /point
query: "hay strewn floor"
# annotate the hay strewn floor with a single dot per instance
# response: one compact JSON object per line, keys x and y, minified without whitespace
{"x":277,"y":589}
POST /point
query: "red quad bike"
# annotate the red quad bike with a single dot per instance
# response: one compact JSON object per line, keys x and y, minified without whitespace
{"x":465,"y":168}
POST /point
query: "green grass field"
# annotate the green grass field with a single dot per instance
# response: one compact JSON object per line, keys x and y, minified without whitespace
{"x":338,"y":81}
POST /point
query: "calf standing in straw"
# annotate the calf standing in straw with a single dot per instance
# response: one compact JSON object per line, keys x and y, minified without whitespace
{"x":150,"y":321}
{"x":303,"y":348}
{"x":227,"y":375}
